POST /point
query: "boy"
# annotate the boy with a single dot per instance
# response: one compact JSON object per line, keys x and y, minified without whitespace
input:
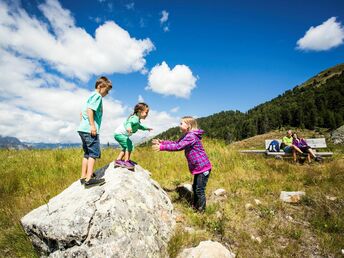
{"x":90,"y":121}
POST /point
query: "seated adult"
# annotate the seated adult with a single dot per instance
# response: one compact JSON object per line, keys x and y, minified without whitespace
{"x":304,"y":147}
{"x":288,"y":146}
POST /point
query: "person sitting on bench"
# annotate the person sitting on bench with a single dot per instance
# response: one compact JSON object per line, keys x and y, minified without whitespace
{"x":288,"y":146}
{"x":304,"y":147}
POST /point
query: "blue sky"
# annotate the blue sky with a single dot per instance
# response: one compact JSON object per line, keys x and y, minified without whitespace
{"x":199,"y":58}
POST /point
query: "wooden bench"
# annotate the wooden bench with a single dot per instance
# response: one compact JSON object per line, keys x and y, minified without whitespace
{"x":314,"y":143}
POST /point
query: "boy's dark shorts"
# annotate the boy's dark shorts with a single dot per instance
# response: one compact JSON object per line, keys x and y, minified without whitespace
{"x":90,"y":145}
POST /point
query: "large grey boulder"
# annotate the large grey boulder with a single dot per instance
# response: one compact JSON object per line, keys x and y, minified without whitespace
{"x":337,"y":136}
{"x":129,"y":216}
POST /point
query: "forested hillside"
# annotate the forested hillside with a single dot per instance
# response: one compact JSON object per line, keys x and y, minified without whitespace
{"x":319,"y":102}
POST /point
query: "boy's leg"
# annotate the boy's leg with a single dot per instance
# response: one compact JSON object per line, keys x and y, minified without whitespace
{"x":90,"y":166}
{"x":84,"y":168}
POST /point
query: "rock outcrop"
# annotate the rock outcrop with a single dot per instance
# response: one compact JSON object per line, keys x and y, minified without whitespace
{"x":129,"y":216}
{"x":207,"y":249}
{"x":337,"y":136}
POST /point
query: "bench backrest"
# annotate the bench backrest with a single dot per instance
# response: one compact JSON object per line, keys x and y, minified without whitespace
{"x":314,"y":143}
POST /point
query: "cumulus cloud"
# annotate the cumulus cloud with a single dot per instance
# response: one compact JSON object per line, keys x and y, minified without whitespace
{"x":178,"y":82}
{"x":323,"y":37}
{"x":164,"y":16}
{"x":70,"y":49}
{"x":39,"y":105}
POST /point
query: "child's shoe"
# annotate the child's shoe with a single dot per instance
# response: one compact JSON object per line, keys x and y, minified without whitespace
{"x":128,"y":165}
{"x":119,"y":163}
{"x":132,"y":162}
{"x":94,"y":182}
{"x":83,"y":180}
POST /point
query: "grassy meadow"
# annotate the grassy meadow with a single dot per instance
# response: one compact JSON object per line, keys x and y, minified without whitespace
{"x":315,"y":227}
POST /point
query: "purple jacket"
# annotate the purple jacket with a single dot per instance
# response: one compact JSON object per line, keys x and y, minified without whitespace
{"x":301,"y":143}
{"x":198,"y":161}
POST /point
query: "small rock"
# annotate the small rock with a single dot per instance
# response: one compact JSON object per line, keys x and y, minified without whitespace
{"x":218,"y":214}
{"x":290,"y":218}
{"x":256,"y":239}
{"x":331,"y":198}
{"x":342,"y":251}
{"x":220,"y":192}
{"x":291,"y":197}
{"x":248,"y":206}
{"x":207,"y":249}
{"x":257,"y":202}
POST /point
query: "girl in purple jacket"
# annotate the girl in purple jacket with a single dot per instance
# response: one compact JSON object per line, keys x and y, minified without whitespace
{"x":198,"y":162}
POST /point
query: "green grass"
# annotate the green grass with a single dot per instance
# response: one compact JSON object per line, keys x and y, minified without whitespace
{"x":315,"y":226}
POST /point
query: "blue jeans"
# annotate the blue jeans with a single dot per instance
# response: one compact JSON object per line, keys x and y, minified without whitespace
{"x":90,"y":145}
{"x":198,"y":187}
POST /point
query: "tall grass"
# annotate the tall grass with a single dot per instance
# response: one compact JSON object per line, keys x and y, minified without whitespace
{"x":314,"y":227}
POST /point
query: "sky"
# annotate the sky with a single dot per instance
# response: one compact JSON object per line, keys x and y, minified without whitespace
{"x":180,"y":57}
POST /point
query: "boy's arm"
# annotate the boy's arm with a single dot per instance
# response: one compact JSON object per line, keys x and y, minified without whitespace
{"x":90,"y":114}
{"x":177,"y":146}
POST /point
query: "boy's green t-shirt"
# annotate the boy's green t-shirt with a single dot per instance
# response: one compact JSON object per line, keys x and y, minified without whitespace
{"x":287,"y":141}
{"x":94,"y":102}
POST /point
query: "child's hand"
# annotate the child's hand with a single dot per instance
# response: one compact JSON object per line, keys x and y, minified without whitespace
{"x":129,"y":130}
{"x":93,"y":131}
{"x":156,"y":147}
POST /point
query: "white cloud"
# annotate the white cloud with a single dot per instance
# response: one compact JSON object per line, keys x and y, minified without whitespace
{"x":174,"y":110}
{"x":178,"y":82}
{"x":140,"y":99}
{"x":130,"y":6}
{"x":166,"y":29}
{"x":164,"y":16}
{"x":70,"y":49}
{"x":328,"y":35}
{"x":37,"y":104}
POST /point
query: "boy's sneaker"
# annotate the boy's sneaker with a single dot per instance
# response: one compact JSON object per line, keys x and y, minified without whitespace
{"x":94,"y":182}
{"x":83,"y":180}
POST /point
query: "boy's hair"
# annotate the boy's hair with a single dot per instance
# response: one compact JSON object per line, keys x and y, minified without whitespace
{"x":139,"y":107}
{"x":191,"y":122}
{"x":103,"y":82}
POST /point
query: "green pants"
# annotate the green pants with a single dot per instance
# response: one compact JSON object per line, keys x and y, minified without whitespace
{"x":124,"y":142}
